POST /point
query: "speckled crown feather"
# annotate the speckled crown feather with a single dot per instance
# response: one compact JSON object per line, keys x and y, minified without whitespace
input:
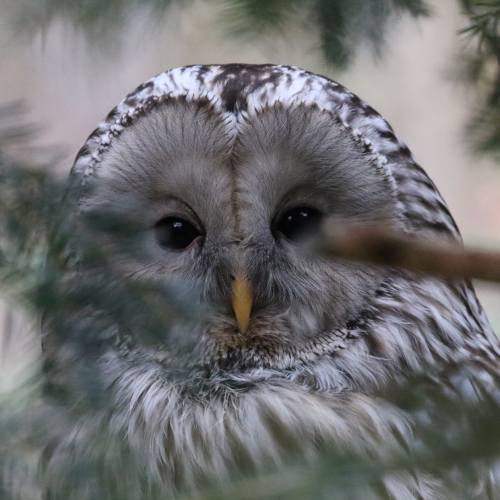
{"x":238,"y":91}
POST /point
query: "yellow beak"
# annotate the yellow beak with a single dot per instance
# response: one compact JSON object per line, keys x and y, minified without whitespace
{"x":242,"y":301}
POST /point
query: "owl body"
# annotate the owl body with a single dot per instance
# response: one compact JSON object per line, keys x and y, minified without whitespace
{"x":221,"y":168}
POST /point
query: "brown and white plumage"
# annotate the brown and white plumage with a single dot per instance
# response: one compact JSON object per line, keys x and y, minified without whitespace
{"x":232,"y":150}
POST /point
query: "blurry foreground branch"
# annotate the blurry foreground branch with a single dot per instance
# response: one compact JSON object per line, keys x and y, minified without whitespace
{"x":378,"y":244}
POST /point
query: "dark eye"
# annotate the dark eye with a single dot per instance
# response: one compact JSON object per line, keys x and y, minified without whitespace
{"x":299,"y":222}
{"x":173,"y":233}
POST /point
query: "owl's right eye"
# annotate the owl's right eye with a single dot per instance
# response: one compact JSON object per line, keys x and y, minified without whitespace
{"x":174,"y":233}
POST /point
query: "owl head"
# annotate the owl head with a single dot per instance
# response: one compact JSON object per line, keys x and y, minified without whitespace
{"x":223,"y":172}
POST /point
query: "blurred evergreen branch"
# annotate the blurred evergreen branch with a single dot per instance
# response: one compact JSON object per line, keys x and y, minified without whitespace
{"x":102,"y":21}
{"x":482,"y":69}
{"x":485,"y":18}
{"x":343,"y":25}
{"x":82,"y":297}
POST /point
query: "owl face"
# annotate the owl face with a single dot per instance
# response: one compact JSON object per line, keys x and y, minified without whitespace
{"x":213,"y":204}
{"x":222,"y":184}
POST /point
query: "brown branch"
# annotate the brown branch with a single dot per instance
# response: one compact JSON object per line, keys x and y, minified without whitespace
{"x":378,"y":244}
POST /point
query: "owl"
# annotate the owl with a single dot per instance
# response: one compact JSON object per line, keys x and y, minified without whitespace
{"x":220,"y":173}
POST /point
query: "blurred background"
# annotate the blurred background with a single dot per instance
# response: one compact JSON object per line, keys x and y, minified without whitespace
{"x":69,"y":72}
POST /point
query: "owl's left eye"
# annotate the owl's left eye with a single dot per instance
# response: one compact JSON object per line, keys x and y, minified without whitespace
{"x":299,"y":222}
{"x":174,"y":233}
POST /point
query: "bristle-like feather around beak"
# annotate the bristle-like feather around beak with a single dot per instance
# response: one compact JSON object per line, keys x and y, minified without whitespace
{"x":242,"y":298}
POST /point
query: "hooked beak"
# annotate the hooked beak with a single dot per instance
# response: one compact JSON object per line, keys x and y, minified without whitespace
{"x":242,"y":299}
